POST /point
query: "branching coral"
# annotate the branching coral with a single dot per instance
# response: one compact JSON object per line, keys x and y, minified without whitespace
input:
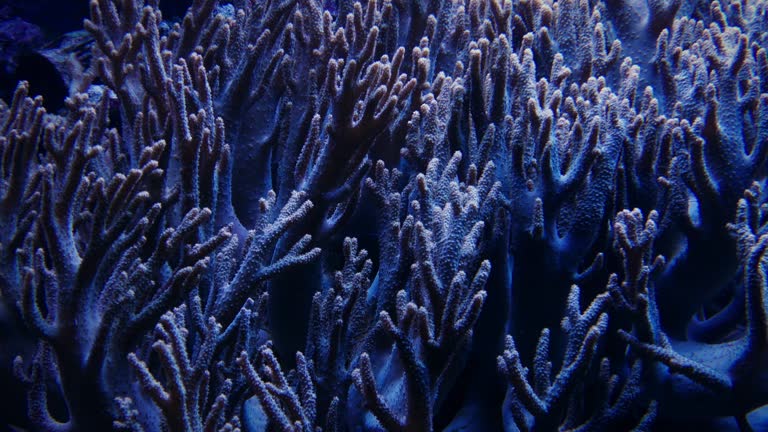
{"x":300,"y":215}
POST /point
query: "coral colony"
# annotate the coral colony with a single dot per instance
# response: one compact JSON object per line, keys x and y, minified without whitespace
{"x":392,"y":215}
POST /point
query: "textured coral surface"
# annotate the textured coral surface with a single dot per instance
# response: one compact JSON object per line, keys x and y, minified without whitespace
{"x":389,"y":215}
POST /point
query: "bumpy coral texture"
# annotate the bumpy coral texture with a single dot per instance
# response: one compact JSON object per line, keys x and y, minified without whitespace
{"x":461,"y":215}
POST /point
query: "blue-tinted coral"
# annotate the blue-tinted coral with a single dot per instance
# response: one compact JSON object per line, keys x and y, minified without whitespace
{"x":305,"y":215}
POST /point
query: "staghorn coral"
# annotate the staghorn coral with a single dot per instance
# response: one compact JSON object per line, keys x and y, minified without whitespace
{"x":295,"y":215}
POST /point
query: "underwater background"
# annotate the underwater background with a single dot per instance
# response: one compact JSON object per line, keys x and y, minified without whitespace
{"x":387,"y":215}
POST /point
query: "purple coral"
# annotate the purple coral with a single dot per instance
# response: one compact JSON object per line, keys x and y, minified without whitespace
{"x":305,"y":215}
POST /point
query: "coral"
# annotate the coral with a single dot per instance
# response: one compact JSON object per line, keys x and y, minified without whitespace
{"x":305,"y":215}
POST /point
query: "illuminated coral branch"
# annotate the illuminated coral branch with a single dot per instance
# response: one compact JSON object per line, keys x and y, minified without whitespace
{"x":544,"y":398}
{"x":183,"y":399}
{"x":289,"y":409}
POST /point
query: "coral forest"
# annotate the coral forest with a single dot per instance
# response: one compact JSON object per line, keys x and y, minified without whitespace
{"x":391,"y":215}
